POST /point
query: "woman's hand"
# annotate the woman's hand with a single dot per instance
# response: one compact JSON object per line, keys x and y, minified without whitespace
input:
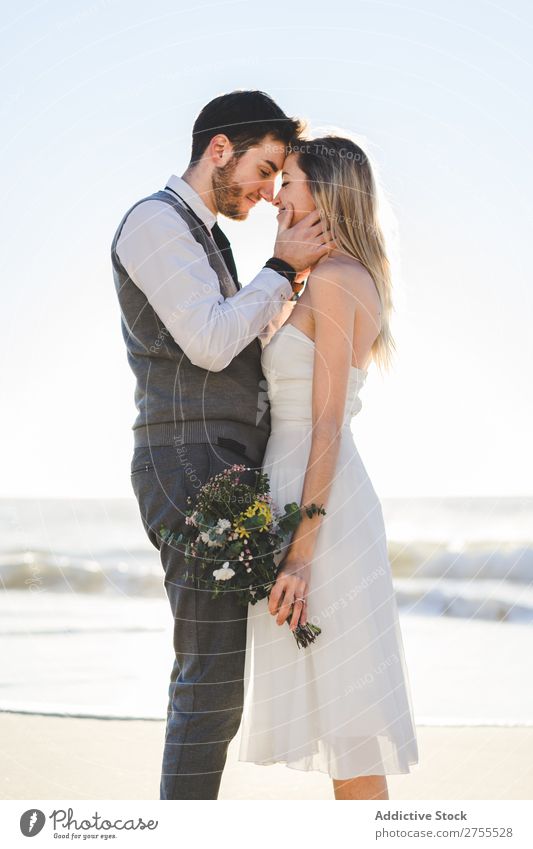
{"x":292,"y":583}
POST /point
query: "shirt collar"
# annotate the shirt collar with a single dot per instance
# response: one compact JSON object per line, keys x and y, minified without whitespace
{"x":193,"y":199}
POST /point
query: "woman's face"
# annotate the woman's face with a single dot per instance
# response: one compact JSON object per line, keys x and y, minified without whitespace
{"x":294,"y":190}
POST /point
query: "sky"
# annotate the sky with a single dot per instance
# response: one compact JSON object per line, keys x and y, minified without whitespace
{"x":97,"y":102}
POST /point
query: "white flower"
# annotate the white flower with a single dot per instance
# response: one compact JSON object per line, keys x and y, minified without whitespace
{"x":206,"y":537}
{"x":223,"y":525}
{"x":225,"y":573}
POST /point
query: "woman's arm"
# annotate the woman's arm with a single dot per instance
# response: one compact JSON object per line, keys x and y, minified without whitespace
{"x":333,"y":302}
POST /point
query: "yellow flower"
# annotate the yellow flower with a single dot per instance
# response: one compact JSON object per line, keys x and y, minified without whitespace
{"x":260,"y":508}
{"x":266,"y":512}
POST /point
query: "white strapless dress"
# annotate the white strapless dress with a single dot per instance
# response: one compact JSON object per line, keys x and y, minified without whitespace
{"x":342,"y":705}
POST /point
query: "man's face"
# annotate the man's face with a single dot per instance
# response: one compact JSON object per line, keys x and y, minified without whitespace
{"x":243,"y":181}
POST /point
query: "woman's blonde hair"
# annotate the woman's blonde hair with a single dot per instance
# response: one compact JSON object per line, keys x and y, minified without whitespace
{"x":343,"y":186}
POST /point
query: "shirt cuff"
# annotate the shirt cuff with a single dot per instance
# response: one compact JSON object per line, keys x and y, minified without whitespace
{"x":285,"y":290}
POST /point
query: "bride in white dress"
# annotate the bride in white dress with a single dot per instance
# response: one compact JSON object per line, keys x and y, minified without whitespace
{"x":341,"y":705}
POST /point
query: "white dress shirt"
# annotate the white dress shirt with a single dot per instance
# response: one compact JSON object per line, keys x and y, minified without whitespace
{"x":171,"y":268}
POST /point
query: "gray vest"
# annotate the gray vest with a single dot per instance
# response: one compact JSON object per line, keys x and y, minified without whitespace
{"x":179,"y":402}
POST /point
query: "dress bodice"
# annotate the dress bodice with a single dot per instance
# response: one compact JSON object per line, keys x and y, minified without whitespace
{"x":287,"y":362}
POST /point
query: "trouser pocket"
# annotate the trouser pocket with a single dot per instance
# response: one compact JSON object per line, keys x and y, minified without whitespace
{"x":163,"y":478}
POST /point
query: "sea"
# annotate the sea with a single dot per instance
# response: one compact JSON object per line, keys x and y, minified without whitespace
{"x":458,"y":557}
{"x":86,"y":628}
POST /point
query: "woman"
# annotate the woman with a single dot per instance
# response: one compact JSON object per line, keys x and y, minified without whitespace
{"x":342,"y":705}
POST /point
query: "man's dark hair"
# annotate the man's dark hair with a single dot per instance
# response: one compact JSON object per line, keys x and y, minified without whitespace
{"x":245,"y":117}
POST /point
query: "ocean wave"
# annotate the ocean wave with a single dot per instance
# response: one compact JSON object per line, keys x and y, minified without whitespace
{"x":38,"y":571}
{"x":476,"y":582}
{"x":478,"y":561}
{"x":492,"y":600}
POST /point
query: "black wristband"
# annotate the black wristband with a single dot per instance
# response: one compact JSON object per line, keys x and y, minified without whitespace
{"x":281,"y":267}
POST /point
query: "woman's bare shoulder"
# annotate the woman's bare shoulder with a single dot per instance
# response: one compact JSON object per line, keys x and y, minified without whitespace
{"x":345,"y":271}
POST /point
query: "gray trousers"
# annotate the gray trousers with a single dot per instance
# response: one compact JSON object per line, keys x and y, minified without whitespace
{"x":205,"y":694}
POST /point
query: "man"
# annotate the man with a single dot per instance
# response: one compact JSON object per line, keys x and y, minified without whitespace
{"x":192,"y":337}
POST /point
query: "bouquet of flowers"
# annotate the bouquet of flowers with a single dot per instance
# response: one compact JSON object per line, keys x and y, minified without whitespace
{"x":235,"y":533}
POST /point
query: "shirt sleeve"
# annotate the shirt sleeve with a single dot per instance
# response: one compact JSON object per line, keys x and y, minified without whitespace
{"x":171,"y":268}
{"x":276,"y":323}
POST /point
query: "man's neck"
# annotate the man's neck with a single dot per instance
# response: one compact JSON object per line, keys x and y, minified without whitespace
{"x":201,"y":182}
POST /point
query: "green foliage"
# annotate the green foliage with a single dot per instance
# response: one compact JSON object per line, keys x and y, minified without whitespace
{"x":235,"y":539}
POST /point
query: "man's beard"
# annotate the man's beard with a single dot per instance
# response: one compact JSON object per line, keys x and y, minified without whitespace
{"x":228,"y":195}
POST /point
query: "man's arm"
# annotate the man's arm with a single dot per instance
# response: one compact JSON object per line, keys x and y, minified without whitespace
{"x":275,"y":323}
{"x":171,"y":268}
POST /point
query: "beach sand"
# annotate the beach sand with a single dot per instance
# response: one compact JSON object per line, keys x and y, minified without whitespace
{"x":80,"y":721}
{"x":48,"y":757}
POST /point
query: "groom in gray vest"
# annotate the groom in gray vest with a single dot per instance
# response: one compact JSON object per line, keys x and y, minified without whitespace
{"x":193,"y":337}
